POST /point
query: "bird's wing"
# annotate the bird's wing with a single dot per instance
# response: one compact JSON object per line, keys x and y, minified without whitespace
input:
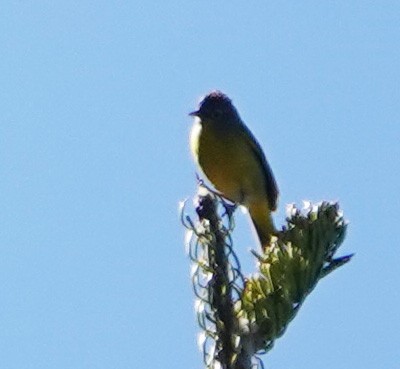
{"x":271,"y":187}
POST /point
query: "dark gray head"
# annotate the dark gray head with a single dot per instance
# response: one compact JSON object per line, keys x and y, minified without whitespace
{"x":216,"y":106}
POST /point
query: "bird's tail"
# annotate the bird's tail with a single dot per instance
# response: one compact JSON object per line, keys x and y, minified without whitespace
{"x":260,"y":214}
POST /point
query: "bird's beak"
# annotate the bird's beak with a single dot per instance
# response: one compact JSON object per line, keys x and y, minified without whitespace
{"x":195,"y":113}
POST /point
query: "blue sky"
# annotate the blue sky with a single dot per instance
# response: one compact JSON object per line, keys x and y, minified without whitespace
{"x":94,"y":159}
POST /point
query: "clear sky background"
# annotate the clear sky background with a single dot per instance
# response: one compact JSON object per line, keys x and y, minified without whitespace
{"x":94,"y":159}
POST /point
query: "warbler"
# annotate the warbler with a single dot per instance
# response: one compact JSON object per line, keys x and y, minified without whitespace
{"x":233,"y":161}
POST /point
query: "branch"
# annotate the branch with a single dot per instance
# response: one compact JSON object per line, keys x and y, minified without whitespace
{"x":242,"y":319}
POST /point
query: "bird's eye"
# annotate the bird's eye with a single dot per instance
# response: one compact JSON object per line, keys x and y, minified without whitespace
{"x":217,"y":113}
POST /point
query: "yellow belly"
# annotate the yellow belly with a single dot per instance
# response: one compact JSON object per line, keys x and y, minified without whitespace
{"x":229,"y":163}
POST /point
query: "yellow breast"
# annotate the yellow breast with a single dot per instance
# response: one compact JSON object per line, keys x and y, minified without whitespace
{"x":227,"y":161}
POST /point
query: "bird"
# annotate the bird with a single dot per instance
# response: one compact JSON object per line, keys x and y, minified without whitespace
{"x":233,"y":161}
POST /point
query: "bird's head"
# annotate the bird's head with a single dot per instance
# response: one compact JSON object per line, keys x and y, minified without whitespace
{"x":215,"y":106}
